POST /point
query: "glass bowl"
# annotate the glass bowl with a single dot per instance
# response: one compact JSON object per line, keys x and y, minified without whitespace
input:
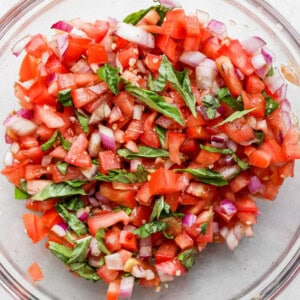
{"x":258,"y":269}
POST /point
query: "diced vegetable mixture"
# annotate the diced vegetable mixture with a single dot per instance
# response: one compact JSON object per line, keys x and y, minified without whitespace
{"x":139,"y":142}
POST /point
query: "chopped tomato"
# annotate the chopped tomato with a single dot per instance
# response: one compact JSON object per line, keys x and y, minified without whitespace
{"x":35,"y":228}
{"x":166,"y":251}
{"x":108,"y":161}
{"x":97,"y":54}
{"x":107,"y":275}
{"x":128,"y":240}
{"x":171,"y":267}
{"x":35,"y":272}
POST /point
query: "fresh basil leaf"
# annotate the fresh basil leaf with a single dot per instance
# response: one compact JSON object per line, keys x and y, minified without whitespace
{"x":62,"y":252}
{"x":144,"y":151}
{"x":140,"y":175}
{"x":20,"y":194}
{"x":80,"y":251}
{"x":187,"y":258}
{"x":56,"y":190}
{"x":84,"y":270}
{"x":161,"y":132}
{"x":83,"y":121}
{"x":48,"y":144}
{"x":62,"y":167}
{"x":110,"y":75}
{"x":136,"y":16}
{"x":203,"y":228}
{"x":162,"y":11}
{"x":206,"y":176}
{"x":75,"y":224}
{"x":156,"y":85}
{"x":124,"y":208}
{"x":180,"y":82}
{"x":225,"y":96}
{"x":75,"y":183}
{"x":70,"y":237}
{"x":260,"y":136}
{"x":242,"y":164}
{"x":235,"y":115}
{"x":168,"y":236}
{"x":65,"y":97}
{"x":270,"y":72}
{"x":159,"y":207}
{"x":271,"y":104}
{"x":100,"y":234}
{"x":64,"y":143}
{"x":73,"y":204}
{"x":211,"y":104}
{"x":149,"y":228}
{"x":155,"y":102}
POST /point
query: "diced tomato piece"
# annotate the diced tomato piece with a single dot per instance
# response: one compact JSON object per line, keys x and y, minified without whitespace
{"x":134,"y":130}
{"x":73,"y":173}
{"x":190,"y":147}
{"x":51,"y":217}
{"x":290,"y":145}
{"x":128,"y":55}
{"x":168,"y":46}
{"x":191,"y":43}
{"x":35,"y":272}
{"x":144,"y":195}
{"x":207,"y":158}
{"x":125,"y":102}
{"x":247,"y":218}
{"x":28,"y":69}
{"x":44,"y":132}
{"x":35,"y":228}
{"x":271,"y":146}
{"x":197,"y":132}
{"x":207,"y":236}
{"x":187,"y":199}
{"x":108,"y":161}
{"x":166,"y":251}
{"x":96,"y":31}
{"x":256,"y":101}
{"x":97,"y":54}
{"x":14,"y":173}
{"x":246,"y":204}
{"x":106,"y":219}
{"x":59,"y":153}
{"x":200,"y":189}
{"x":174,"y":29}
{"x":107,"y":275}
{"x":270,"y":191}
{"x":33,"y":171}
{"x":149,"y":136}
{"x":152,"y":61}
{"x":260,"y":158}
{"x":239,"y":182}
{"x":124,"y":198}
{"x":37,"y":46}
{"x":113,"y":290}
{"x":40,"y":206}
{"x":34,"y":154}
{"x":112,"y":239}
{"x":38,"y":94}
{"x":175,"y":140}
{"x":184,"y":241}
{"x":171,"y":267}
{"x":140,"y":215}
{"x":150,"y":283}
{"x":128,"y":240}
{"x":254,"y":84}
{"x":192,"y":26}
{"x":28,"y":142}
{"x":48,"y":116}
{"x":173,"y":200}
{"x":211,"y":47}
{"x":83,"y":96}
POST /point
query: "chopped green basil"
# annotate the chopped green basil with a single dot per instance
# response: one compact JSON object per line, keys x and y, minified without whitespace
{"x":270,"y":72}
{"x":144,"y":151}
{"x":62,"y":252}
{"x":65,"y":97}
{"x":62,"y":167}
{"x":140,"y":175}
{"x":206,"y":176}
{"x":110,"y":75}
{"x":225,"y":96}
{"x":56,"y":190}
{"x":180,"y":81}
{"x":75,"y":224}
{"x":204,"y":228}
{"x":84,"y":270}
{"x":149,"y":228}
{"x":159,"y":207}
{"x":47,"y":145}
{"x":124,"y":208}
{"x":83,"y":121}
{"x":75,"y":183}
{"x":235,"y":115}
{"x":156,"y":85}
{"x":80,"y":251}
{"x":271,"y":104}
{"x":20,"y":194}
{"x":187,"y":258}
{"x":155,"y":102}
{"x":100,"y":234}
{"x":211,"y":105}
{"x":64,"y":143}
{"x":260,"y":136}
{"x":161,"y":132}
{"x":73,"y":204}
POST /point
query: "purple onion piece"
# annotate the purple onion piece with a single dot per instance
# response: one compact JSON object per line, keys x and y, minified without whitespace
{"x":254,"y":185}
{"x":63,"y":26}
{"x":228,"y":207}
{"x":189,"y":220}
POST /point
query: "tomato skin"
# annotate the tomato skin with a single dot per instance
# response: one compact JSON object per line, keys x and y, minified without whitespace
{"x":153,"y":61}
{"x":149,"y":136}
{"x":144,"y":195}
{"x":184,"y":241}
{"x":108,"y":161}
{"x":112,"y":239}
{"x":28,"y":69}
{"x":260,"y":158}
{"x":168,"y":46}
{"x":134,"y":130}
{"x":166,"y":251}
{"x":128,"y":54}
{"x":171,"y":267}
{"x":140,"y":215}
{"x":207,"y":158}
{"x":35,"y":228}
{"x":113,"y":290}
{"x":125,"y":102}
{"x":97,"y":54}
{"x":124,"y":198}
{"x":37,"y":46}
{"x":256,"y":101}
{"x":107,"y":275}
{"x":254,"y":84}
{"x":239,"y":182}
{"x":48,"y":116}
{"x":246,"y":204}
{"x":128,"y":240}
{"x":175,"y":140}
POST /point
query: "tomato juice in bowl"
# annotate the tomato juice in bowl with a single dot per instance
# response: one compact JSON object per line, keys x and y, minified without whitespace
{"x":207,"y":255}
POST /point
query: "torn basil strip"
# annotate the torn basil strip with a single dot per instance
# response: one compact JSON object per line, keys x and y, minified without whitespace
{"x":144,"y":152}
{"x":111,"y":76}
{"x":149,"y":228}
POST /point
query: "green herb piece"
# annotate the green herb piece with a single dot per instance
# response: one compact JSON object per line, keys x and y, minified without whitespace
{"x":62,"y":167}
{"x":110,"y":75}
{"x":203,"y":228}
{"x":180,"y":81}
{"x":156,"y":85}
{"x":211,"y":104}
{"x":80,"y":251}
{"x":85,"y":271}
{"x":271,"y":104}
{"x":144,"y":152}
{"x":235,"y":115}
{"x":260,"y":136}
{"x":225,"y":96}
{"x":187,"y":258}
{"x":20,"y":194}
{"x":161,"y":132}
{"x":83,"y":121}
{"x":206,"y":176}
{"x":74,"y":223}
{"x":159,"y":207}
{"x":73,"y":204}
{"x":47,"y":145}
{"x":124,"y":208}
{"x":64,"y":143}
{"x":100,"y":235}
{"x":270,"y":72}
{"x":62,"y":252}
{"x":149,"y":228}
{"x":65,"y":97}
{"x":155,"y":102}
{"x":140,"y":175}
{"x":75,"y":183}
{"x":56,"y":190}
{"x":168,"y":236}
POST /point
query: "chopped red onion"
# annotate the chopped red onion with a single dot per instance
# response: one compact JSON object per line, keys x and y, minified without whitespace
{"x":132,"y":146}
{"x":231,"y":145}
{"x":164,"y":277}
{"x":285,"y":105}
{"x":81,"y":67}
{"x":60,"y":229}
{"x":229,"y":171}
{"x":189,"y":220}
{"x":254,"y":185}
{"x":19,"y":46}
{"x":228,"y":207}
{"x":201,"y":110}
{"x":8,"y":139}
{"x":253,"y":44}
{"x":262,"y":72}
{"x":63,"y":26}
{"x":138,"y":272}
{"x":114,"y":261}
{"x":90,"y":172}
{"x":170,"y":3}
{"x":258,"y":61}
{"x":275,"y":81}
{"x":82,"y":214}
{"x":102,"y":199}
{"x":219,"y":140}
{"x":126,"y":287}
{"x":224,"y":232}
{"x":229,"y":161}
{"x":138,"y":111}
{"x":286,"y":120}
{"x":62,"y":44}
{"x":168,"y":164}
{"x":191,"y":58}
{"x":217,"y":28}
{"x":268,"y":55}
{"x":240,"y":75}
{"x":8,"y":159}
{"x":94,"y":247}
{"x":215,"y":227}
{"x":231,"y":240}
{"x":206,"y":73}
{"x":145,"y":250}
{"x":99,"y":88}
{"x":93,"y":201}
{"x":20,"y":125}
{"x":94,"y":144}
{"x":149,"y":275}
{"x":203,"y":17}
{"x":14,"y":148}
{"x":129,"y":228}
{"x":135,"y":35}
{"x":25,"y":113}
{"x":134,"y":164}
{"x":107,"y":138}
{"x":281,"y":92}
{"x":100,"y":113}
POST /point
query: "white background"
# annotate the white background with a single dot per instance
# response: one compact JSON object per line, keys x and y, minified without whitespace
{"x":290,"y":10}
